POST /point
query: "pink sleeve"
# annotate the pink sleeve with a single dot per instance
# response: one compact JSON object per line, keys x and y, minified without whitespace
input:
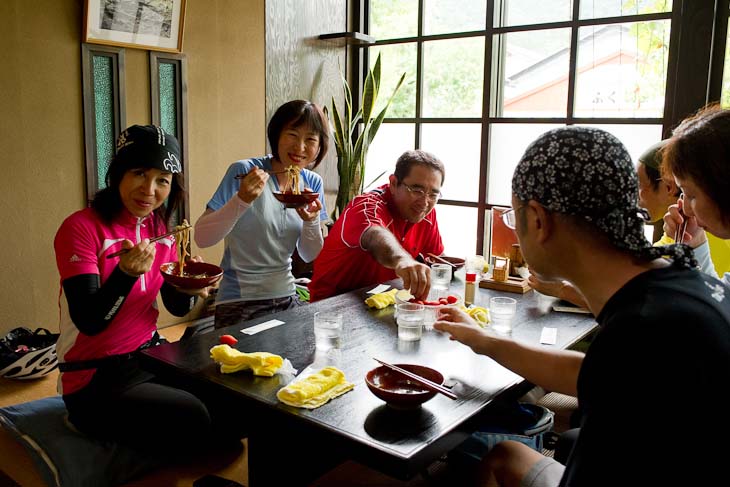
{"x":77,"y":248}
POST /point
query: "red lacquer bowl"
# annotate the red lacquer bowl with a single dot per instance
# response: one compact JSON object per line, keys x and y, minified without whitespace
{"x":292,"y":200}
{"x":399,"y":391}
{"x":457,"y":262}
{"x":197,"y":275}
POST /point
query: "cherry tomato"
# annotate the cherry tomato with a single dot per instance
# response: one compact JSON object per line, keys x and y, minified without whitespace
{"x":451,"y":299}
{"x":228,"y":340}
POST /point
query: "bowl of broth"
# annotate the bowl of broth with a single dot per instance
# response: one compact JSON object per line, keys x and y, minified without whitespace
{"x":400,"y":391}
{"x":196,"y":275}
{"x":292,"y":200}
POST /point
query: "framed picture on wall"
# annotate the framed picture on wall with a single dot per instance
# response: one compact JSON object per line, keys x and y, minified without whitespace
{"x":141,"y":24}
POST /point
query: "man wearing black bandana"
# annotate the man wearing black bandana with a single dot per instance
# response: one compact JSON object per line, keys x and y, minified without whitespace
{"x":664,"y":327}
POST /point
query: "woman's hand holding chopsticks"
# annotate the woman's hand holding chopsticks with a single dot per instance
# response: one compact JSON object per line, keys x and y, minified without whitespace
{"x":138,"y":258}
{"x":252,"y":184}
{"x":676,"y":221}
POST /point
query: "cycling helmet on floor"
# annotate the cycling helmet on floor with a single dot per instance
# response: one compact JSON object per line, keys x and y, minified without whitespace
{"x":28,"y":355}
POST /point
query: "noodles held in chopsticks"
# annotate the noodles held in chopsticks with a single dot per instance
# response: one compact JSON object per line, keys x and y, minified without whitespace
{"x":182,"y":247}
{"x":292,"y":182}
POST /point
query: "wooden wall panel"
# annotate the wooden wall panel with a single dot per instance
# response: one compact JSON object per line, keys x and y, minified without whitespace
{"x":300,"y":66}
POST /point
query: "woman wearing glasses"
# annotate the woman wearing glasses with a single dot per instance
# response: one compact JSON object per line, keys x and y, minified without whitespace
{"x":697,"y":158}
{"x":380,"y":233}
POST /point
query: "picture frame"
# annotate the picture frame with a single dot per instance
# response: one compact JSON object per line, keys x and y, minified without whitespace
{"x":141,"y":24}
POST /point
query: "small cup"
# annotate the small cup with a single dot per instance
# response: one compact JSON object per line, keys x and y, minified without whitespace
{"x":327,"y":330}
{"x":410,"y":321}
{"x":501,"y":313}
{"x":441,"y":278}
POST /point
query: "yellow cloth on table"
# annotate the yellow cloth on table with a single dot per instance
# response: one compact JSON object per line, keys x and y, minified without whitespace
{"x":262,"y":363}
{"x":315,"y":390}
{"x":478,"y":314}
{"x":382,"y":300}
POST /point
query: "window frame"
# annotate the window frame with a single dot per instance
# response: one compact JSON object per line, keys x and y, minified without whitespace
{"x":116,"y":54}
{"x":685,"y":90}
{"x":179,"y":61}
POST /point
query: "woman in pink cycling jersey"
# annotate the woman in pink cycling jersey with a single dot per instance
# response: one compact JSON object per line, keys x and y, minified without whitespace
{"x":108,"y":305}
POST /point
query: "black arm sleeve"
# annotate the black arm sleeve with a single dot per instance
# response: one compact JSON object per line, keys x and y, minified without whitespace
{"x":92,"y":306}
{"x":177,"y":303}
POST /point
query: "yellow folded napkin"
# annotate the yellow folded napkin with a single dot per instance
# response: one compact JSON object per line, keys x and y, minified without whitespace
{"x":382,"y":300}
{"x":316,"y":389}
{"x":232,"y":360}
{"x":479,"y":314}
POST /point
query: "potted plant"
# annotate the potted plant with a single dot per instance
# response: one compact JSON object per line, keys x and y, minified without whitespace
{"x":351,"y":154}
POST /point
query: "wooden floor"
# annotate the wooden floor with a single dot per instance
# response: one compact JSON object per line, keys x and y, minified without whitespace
{"x":17,"y":469}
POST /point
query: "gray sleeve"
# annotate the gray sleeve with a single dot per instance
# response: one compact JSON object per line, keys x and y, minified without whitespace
{"x":213,"y":227}
{"x":702,"y":254}
{"x":310,"y":240}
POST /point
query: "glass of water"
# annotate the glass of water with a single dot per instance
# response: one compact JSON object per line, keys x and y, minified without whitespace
{"x":501,"y":313}
{"x":440,"y":279}
{"x":410,"y":321}
{"x":327,"y":330}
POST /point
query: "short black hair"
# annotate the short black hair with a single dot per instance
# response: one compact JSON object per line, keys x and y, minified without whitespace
{"x":651,"y":159}
{"x":419,"y":157}
{"x":297,"y":113}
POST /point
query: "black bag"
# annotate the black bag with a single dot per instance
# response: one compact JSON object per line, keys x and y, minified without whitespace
{"x":26,"y":354}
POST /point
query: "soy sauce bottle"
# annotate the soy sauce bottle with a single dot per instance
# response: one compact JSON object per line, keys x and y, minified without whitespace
{"x":470,"y":288}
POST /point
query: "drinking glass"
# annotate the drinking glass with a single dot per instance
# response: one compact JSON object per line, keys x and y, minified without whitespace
{"x":476,"y":264}
{"x":410,"y":321}
{"x":327,"y":330}
{"x":440,"y":279}
{"x":501,"y":313}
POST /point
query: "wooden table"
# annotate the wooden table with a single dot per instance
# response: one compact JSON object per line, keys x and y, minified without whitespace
{"x":357,"y":425}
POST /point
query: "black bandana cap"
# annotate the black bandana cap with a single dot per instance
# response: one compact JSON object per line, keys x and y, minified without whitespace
{"x":588,"y":173}
{"x":148,"y":146}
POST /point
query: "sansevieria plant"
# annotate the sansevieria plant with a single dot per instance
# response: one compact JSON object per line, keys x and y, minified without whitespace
{"x":351,"y":156}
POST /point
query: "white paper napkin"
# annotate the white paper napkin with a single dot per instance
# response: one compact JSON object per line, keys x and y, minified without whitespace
{"x":380,"y":288}
{"x":262,"y":326}
{"x":549,"y":336}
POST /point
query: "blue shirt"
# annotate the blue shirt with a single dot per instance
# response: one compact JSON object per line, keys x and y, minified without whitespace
{"x":257,"y":255}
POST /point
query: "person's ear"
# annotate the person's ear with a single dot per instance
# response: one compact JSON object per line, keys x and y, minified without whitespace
{"x":393,"y":182}
{"x":671,"y":187}
{"x":539,"y":221}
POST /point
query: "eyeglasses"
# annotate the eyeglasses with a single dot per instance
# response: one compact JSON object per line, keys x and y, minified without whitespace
{"x":419,"y":192}
{"x":509,"y":217}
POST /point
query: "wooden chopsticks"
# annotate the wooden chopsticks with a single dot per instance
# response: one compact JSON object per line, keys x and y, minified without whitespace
{"x":440,"y":259}
{"x":679,"y":234}
{"x":421,"y":380}
{"x":241,"y":176}
{"x":155,"y":239}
